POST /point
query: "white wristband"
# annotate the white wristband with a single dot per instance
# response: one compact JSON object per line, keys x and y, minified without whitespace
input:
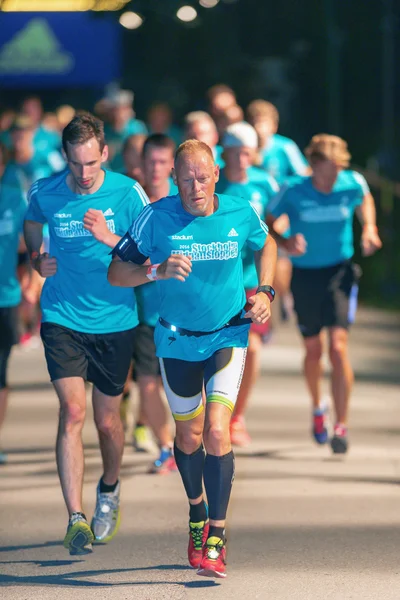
{"x":151,"y":272}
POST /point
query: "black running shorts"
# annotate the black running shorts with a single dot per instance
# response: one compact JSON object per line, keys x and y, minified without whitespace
{"x":322,"y":297}
{"x":145,"y":361}
{"x":9,"y":330}
{"x":101,"y":358}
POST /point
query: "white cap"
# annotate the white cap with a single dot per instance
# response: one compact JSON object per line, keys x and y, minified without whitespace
{"x":240,"y":134}
{"x":120,"y":98}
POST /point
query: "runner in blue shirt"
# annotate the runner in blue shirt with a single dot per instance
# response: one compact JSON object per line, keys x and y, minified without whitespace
{"x":280,"y":156}
{"x":198,"y":125}
{"x":238,"y":178}
{"x":194,"y":242}
{"x":324,"y":283}
{"x":87,"y":325}
{"x":12,"y":210}
{"x":122,"y":123}
{"x":157,"y":163}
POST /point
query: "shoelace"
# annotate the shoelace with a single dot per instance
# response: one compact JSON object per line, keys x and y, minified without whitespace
{"x":214,"y":551}
{"x":105,"y":500}
{"x":197,"y":536}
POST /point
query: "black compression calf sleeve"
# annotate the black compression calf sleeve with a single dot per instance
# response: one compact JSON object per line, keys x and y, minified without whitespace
{"x":219,"y":472}
{"x":191,"y":467}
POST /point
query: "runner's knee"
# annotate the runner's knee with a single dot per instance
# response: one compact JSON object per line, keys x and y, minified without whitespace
{"x":188,"y":439}
{"x":72,"y":416}
{"x":313,"y":349}
{"x":106,"y":422}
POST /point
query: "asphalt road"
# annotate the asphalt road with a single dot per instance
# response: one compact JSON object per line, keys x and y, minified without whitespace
{"x":302,"y":523}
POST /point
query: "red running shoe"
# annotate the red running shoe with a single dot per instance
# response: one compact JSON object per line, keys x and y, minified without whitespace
{"x":238,"y":432}
{"x":213,"y":563}
{"x":198,"y":533}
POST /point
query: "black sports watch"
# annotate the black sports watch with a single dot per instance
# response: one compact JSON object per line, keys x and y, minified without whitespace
{"x":268,"y":290}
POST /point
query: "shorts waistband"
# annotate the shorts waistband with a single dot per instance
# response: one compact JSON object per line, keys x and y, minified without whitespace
{"x":233,"y":322}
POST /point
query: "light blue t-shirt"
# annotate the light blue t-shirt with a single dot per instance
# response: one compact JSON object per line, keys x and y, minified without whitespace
{"x":115,"y":140}
{"x":147,"y":296}
{"x":258,"y":190}
{"x":12,"y":211}
{"x":218,"y":150}
{"x":214,"y":292}
{"x":325,"y":220}
{"x":282,"y":158}
{"x":79,"y":296}
{"x":45,"y":141}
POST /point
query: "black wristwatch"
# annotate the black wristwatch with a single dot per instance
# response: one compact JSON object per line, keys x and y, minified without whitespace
{"x":268,"y":290}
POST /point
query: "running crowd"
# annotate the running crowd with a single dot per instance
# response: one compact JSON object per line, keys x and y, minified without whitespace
{"x":207,"y":224}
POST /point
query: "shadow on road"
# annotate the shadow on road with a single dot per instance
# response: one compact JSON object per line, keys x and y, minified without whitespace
{"x":73,"y":579}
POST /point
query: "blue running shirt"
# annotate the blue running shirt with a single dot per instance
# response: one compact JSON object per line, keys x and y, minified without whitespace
{"x":258,"y":190}
{"x":325,"y":220}
{"x":282,"y":158}
{"x":147,"y":296}
{"x":12,"y":211}
{"x":79,"y":296}
{"x":214,"y":292}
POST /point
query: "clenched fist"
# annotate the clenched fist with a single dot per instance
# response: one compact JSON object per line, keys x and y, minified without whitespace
{"x":45,"y":265}
{"x":177,"y":266}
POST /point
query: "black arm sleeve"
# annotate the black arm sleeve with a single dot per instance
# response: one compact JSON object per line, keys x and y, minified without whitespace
{"x":127,"y":250}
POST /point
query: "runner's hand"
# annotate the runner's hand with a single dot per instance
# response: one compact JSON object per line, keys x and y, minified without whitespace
{"x":95,"y":222}
{"x":177,"y":266}
{"x":370,"y":241}
{"x":296,"y":245}
{"x":45,"y":265}
{"x":260,"y":310}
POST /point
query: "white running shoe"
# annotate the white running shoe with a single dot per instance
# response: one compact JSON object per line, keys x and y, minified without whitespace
{"x":107,"y":515}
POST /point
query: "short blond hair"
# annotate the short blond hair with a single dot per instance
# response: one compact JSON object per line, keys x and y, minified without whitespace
{"x":197,"y":116}
{"x":263,"y":109}
{"x":192,"y":147}
{"x":324,"y":146}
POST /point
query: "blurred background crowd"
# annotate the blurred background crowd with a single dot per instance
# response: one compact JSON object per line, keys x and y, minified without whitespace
{"x":327,"y":66}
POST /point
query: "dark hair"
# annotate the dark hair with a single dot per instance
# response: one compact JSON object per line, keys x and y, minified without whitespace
{"x":81,"y":129}
{"x":158,"y":140}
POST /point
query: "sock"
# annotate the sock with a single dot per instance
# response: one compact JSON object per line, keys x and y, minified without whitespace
{"x":107,"y":489}
{"x":191,"y":467}
{"x":197,"y":512}
{"x":219,"y":472}
{"x":318,"y":412}
{"x":78,"y":513}
{"x":218,"y":532}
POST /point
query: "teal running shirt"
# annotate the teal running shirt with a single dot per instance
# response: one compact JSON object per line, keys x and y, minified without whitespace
{"x":79,"y":296}
{"x":325,"y":220}
{"x":258,"y":190}
{"x":214,"y":291}
{"x":12,"y":211}
{"x":282,"y":158}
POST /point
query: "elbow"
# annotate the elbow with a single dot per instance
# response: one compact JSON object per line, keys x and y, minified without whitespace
{"x":111,"y":275}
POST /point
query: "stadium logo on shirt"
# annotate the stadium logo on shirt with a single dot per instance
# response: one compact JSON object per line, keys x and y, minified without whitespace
{"x":76,"y":229}
{"x":181,"y":237}
{"x":213,"y":251}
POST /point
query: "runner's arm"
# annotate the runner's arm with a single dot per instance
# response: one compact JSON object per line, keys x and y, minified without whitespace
{"x":33,"y":235}
{"x":265,"y":261}
{"x":366,"y":213}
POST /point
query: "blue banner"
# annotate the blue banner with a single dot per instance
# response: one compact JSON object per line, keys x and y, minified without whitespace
{"x":59,"y":49}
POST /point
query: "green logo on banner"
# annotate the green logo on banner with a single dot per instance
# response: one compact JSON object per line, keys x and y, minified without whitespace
{"x":35,"y":50}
